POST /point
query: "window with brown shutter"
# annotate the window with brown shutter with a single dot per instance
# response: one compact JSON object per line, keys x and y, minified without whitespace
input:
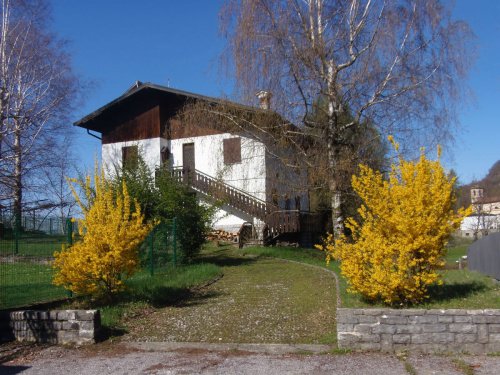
{"x":232,"y":150}
{"x":130,"y":156}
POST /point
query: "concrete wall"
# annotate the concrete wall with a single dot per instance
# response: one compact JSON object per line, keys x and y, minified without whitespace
{"x":148,"y":148}
{"x":473,"y":331}
{"x":55,"y":327}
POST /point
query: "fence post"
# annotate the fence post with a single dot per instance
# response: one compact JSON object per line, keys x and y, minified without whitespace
{"x":69,"y":231}
{"x":174,"y":240}
{"x":69,"y":240}
{"x":16,"y":237}
{"x":150,"y":245}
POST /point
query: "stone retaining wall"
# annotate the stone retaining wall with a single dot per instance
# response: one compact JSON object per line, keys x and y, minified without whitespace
{"x":55,"y":326}
{"x":473,"y":331}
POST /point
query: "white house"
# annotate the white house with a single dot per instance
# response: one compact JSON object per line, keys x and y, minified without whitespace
{"x":485,"y":217}
{"x":477,"y":225}
{"x":257,"y":186}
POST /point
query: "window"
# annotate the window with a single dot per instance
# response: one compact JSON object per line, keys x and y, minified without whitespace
{"x":130,"y":156}
{"x":232,"y":150}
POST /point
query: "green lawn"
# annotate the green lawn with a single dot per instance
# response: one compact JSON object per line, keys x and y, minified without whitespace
{"x":42,"y":246}
{"x":23,"y":284}
{"x":461,"y":289}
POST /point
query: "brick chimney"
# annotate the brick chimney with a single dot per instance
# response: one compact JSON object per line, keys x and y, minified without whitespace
{"x":264,"y":99}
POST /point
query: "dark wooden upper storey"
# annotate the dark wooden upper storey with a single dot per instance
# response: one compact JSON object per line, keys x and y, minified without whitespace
{"x":144,"y":111}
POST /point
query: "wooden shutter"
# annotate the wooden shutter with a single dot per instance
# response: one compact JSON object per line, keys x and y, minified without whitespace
{"x":232,"y":150}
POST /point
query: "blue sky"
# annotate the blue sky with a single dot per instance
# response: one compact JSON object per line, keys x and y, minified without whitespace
{"x":176,"y":43}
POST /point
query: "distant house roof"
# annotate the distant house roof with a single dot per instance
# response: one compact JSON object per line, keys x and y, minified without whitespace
{"x":487,"y":200}
{"x":96,"y":121}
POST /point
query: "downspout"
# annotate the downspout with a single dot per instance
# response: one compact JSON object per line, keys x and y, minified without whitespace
{"x":93,"y":135}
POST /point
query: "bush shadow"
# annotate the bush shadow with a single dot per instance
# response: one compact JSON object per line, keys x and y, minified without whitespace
{"x":446,"y":292}
{"x":164,"y":296}
{"x":223,"y":260}
{"x":224,"y":256}
{"x":107,"y":332}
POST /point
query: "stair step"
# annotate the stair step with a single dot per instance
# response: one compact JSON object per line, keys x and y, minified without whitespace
{"x":253,"y":243}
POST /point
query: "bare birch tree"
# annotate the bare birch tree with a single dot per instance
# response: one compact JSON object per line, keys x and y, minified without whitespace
{"x":397,"y":65}
{"x":37,"y":91}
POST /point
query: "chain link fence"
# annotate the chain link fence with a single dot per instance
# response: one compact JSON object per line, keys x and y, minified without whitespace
{"x":26,"y":260}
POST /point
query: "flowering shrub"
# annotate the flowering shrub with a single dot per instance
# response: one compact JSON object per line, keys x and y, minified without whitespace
{"x":406,"y":220}
{"x":111,"y":230}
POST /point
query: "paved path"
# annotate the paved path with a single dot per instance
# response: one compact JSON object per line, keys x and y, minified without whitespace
{"x":172,"y":358}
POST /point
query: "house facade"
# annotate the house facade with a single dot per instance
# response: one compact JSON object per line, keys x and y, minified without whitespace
{"x":485,"y":217}
{"x":242,"y":171}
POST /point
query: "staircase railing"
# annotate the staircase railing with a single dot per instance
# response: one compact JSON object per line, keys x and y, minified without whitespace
{"x":278,"y":221}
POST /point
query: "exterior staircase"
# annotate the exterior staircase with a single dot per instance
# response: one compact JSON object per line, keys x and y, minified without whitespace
{"x":277,"y":221}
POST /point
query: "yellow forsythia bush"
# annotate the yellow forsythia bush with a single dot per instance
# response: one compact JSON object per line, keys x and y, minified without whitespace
{"x":111,"y":230}
{"x":406,"y":220}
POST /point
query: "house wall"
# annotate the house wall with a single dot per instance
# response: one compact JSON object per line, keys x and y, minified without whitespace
{"x":249,"y":175}
{"x":479,"y":224}
{"x":286,"y":181}
{"x":492,"y":208}
{"x":149,"y":149}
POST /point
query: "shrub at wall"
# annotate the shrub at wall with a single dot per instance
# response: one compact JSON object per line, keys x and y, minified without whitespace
{"x":399,"y":244}
{"x":111,"y":230}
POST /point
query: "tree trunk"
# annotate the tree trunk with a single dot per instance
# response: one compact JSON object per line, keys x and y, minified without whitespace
{"x":334,"y":154}
{"x":18,"y":183}
{"x":335,"y":204}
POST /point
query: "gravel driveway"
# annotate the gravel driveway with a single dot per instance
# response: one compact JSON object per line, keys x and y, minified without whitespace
{"x":150,"y":358}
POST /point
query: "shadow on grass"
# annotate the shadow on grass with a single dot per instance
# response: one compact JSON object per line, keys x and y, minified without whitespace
{"x":163,"y":296}
{"x":107,"y":332}
{"x":226,"y":261}
{"x":446,"y":292}
{"x":225,"y":256}
{"x":155,"y":296}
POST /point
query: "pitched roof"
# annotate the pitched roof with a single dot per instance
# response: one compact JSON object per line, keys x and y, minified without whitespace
{"x":140,"y":90}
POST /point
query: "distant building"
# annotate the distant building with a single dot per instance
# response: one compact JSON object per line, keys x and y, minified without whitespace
{"x":485,"y":218}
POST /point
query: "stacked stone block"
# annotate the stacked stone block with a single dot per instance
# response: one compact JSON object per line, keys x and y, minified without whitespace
{"x":455,"y":330}
{"x":55,"y":326}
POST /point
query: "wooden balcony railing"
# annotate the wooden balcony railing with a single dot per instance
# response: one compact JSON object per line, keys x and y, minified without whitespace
{"x":278,"y":221}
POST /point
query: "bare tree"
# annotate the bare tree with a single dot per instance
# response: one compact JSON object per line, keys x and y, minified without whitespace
{"x":396,"y":65}
{"x":54,"y":185}
{"x":37,"y":92}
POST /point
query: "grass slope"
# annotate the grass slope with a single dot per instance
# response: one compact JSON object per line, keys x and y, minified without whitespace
{"x":258,"y":300}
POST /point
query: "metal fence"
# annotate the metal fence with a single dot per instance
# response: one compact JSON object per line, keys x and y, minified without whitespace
{"x":26,"y":262}
{"x":26,"y":265}
{"x":484,"y":255}
{"x":160,"y":248}
{"x":34,"y":223}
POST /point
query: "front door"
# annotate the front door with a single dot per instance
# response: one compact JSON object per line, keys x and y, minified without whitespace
{"x":188,"y":164}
